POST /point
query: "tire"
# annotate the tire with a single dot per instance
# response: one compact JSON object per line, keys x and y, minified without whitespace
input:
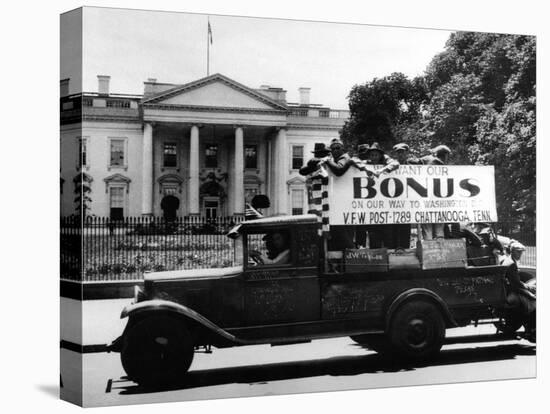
{"x":378,"y":342}
{"x":417,"y":331}
{"x":157,"y":350}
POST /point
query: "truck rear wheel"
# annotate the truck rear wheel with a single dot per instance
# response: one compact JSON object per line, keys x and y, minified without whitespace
{"x":157,"y":350}
{"x":417,"y":330}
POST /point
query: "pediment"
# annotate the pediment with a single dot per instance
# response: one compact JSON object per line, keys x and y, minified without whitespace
{"x":296,"y":181}
{"x":170,"y":178}
{"x":216,"y":91}
{"x":117,"y":178}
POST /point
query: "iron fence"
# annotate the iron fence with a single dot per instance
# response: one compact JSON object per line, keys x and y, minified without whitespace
{"x":103,"y":249}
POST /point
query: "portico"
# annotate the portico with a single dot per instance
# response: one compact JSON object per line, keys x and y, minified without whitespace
{"x":208,"y":125}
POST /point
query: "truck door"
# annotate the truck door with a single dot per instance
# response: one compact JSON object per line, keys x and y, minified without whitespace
{"x":282,"y":288}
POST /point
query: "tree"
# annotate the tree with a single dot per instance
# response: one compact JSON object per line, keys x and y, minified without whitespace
{"x":82,"y":190}
{"x":481,"y":103}
{"x":478,"y":97}
{"x":380,"y":108}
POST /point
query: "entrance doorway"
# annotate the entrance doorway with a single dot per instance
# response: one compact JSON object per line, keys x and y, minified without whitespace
{"x":169,"y":205}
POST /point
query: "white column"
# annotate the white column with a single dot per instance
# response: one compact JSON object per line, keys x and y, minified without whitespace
{"x":147,"y":170}
{"x":194,"y":171}
{"x":280,"y":165}
{"x":238,"y":173}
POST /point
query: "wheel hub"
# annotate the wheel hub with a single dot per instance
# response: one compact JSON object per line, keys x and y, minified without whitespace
{"x":161,"y":340}
{"x":417,"y":332}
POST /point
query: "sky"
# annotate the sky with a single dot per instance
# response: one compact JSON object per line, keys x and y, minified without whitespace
{"x":134,"y":45}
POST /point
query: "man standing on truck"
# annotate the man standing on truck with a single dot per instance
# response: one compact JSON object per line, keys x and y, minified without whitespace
{"x":520,"y":294}
{"x":379,"y":235}
{"x":340,"y":237}
{"x":440,"y":156}
{"x":402,"y":155}
{"x":320,"y":153}
{"x":340,"y":161}
{"x":402,"y":232}
{"x":315,"y":176}
{"x":375,"y":155}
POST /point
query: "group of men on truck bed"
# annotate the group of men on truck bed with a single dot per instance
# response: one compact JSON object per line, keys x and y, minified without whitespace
{"x":339,"y":161}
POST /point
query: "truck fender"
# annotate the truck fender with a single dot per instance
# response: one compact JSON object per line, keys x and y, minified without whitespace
{"x":158,"y":305}
{"x":419,"y":293}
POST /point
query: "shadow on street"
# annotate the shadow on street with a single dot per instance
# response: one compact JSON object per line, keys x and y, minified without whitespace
{"x":336,"y":366}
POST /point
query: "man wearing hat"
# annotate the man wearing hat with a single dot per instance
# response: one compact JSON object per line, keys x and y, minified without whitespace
{"x":520,"y":293}
{"x":379,"y":235}
{"x":402,"y":156}
{"x":340,"y":236}
{"x":439,"y":156}
{"x":401,"y":233}
{"x":277,"y":249}
{"x":340,"y":161}
{"x":320,"y":151}
{"x":375,"y":155}
{"x":316,"y":176}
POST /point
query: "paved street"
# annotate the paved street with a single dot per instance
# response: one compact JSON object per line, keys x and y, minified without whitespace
{"x":333,"y":364}
{"x":322,"y":365}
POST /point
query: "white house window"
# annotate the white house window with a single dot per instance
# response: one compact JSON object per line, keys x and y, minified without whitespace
{"x":116,"y":201}
{"x":118,"y":152}
{"x":211,"y":207}
{"x":170,"y":155}
{"x":82,"y":152}
{"x":297,"y":157}
{"x":117,"y":186}
{"x":211,"y":156}
{"x":297,"y":201}
{"x":251,"y":156}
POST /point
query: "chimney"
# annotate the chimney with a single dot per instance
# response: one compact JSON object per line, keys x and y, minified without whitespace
{"x":304,"y":95}
{"x":103,"y":84}
{"x":149,"y":86}
{"x":64,"y":87}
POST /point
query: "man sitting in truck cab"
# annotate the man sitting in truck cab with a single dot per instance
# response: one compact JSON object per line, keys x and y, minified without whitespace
{"x":277,"y":247}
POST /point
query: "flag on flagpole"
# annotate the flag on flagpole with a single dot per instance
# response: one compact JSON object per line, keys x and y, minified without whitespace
{"x":209,"y":32}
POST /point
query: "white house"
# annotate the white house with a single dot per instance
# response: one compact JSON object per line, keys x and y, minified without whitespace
{"x":201,"y":148}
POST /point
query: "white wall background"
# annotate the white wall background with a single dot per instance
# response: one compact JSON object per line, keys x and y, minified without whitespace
{"x":30,"y":327}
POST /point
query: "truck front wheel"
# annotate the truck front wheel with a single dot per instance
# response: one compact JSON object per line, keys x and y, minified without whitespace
{"x":417,"y":330}
{"x":157,"y":351}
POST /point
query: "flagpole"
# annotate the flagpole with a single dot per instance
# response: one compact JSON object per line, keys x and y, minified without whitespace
{"x":208,"y":48}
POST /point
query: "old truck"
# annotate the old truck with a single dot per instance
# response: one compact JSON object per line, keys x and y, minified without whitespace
{"x":314,"y":293}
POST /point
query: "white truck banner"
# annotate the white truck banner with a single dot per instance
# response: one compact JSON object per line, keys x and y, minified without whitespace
{"x":414,"y":194}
